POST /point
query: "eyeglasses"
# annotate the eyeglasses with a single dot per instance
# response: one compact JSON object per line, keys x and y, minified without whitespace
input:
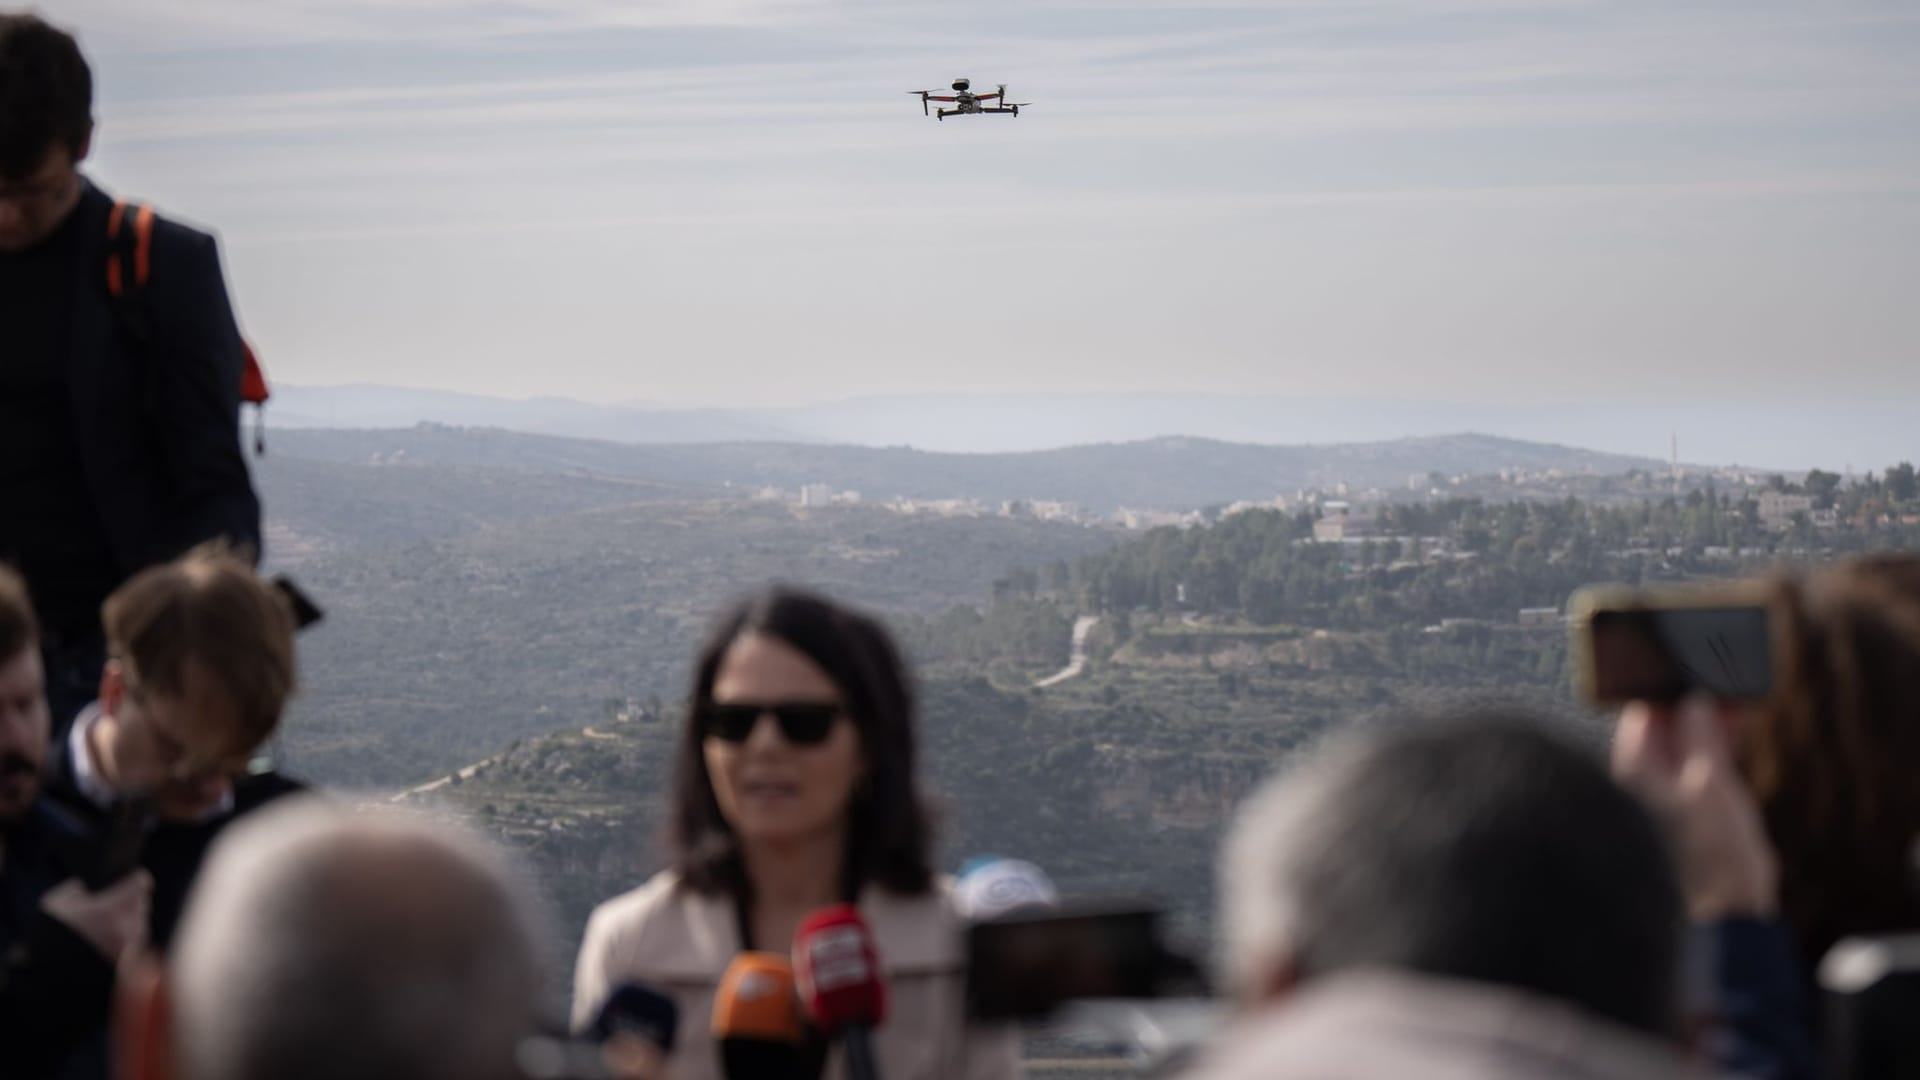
{"x":801,"y":723}
{"x":174,"y":755}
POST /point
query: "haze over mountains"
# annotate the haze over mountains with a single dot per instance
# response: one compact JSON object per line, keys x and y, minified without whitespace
{"x":1165,"y":474}
{"x":1790,"y":438}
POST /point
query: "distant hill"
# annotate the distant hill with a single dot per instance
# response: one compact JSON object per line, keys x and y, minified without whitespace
{"x":396,"y":407}
{"x":1787,"y":436}
{"x":1159,"y":474}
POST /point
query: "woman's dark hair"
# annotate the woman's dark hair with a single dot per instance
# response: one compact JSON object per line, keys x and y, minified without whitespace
{"x":1835,"y":756}
{"x":889,"y":837}
{"x":46,"y":94}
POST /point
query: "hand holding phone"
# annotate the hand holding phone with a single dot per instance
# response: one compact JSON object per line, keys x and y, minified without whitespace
{"x":1679,"y":760}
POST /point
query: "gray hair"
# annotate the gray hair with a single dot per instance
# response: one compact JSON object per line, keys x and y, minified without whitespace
{"x":1472,"y":844}
{"x":322,"y":943}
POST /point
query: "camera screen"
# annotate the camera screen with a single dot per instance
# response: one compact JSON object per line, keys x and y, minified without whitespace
{"x":1024,"y":968}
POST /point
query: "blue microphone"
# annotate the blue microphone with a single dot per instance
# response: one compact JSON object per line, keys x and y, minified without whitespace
{"x":639,"y":1011}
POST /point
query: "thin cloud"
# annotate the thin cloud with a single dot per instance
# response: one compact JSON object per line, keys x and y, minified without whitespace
{"x":1410,"y":141}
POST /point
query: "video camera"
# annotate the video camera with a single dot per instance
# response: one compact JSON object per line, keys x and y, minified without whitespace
{"x":1027,"y":966}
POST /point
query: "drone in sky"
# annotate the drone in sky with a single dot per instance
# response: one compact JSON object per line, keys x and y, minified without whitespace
{"x":968,"y":103}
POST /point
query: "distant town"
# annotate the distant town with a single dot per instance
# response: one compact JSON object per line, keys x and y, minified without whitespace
{"x":1344,"y":514}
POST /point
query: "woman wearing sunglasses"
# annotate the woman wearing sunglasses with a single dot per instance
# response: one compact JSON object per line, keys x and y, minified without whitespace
{"x":796,"y":789}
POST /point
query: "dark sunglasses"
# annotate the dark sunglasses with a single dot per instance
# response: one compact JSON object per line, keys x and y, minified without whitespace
{"x":801,"y":723}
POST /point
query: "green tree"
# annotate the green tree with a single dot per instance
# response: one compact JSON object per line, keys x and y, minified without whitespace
{"x":1823,"y":486}
{"x":1059,"y":578}
{"x":1901,"y":483}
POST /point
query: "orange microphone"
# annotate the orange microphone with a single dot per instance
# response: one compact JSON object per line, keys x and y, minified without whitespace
{"x":758,"y":1025}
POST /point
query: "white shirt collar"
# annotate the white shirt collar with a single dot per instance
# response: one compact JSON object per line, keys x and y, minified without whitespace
{"x":86,"y":772}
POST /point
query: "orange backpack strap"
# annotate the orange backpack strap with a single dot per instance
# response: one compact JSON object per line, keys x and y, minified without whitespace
{"x":253,"y":379}
{"x":130,"y":264}
{"x":129,"y":250}
{"x":253,"y":391}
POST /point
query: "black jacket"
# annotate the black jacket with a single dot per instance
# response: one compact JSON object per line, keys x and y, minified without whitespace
{"x":55,"y":988}
{"x":173,"y":852}
{"x":158,"y":420}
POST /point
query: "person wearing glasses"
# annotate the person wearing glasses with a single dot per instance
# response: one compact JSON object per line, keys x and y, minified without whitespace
{"x":796,"y":789}
{"x":200,"y":665}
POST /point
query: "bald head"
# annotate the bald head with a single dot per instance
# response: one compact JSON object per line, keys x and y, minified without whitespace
{"x":326,"y":943}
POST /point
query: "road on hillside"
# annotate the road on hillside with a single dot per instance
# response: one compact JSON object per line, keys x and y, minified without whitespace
{"x":1082,"y":628}
{"x":467,"y":773}
{"x":435,"y":785}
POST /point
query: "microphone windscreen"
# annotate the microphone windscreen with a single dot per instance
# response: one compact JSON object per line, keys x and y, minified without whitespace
{"x":837,"y":967}
{"x":759,"y":1059}
{"x":997,"y":888}
{"x":635,"y":1009}
{"x":756,"y":1001}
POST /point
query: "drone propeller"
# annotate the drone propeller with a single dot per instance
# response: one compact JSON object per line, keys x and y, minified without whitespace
{"x":923,"y":101}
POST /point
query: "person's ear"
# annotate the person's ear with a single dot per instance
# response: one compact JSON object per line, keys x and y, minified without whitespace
{"x":143,"y":1022}
{"x":81,"y":151}
{"x":113,"y":687}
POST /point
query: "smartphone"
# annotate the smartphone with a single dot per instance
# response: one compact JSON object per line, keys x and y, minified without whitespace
{"x":1667,"y":644}
{"x":118,"y":844}
{"x":1025,"y":967}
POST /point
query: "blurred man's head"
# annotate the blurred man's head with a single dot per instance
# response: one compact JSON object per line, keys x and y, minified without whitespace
{"x":1479,"y":848}
{"x":324,"y":943}
{"x":23,"y":701}
{"x":200,"y":665}
{"x":46,"y":128}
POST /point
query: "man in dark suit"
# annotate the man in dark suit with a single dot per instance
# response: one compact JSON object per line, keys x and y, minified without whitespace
{"x":203,"y":664}
{"x":119,"y":424}
{"x":59,"y":939}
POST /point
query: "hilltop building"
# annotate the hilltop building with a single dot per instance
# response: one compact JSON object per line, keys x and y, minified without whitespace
{"x":1338,"y":523}
{"x":1777,"y":508}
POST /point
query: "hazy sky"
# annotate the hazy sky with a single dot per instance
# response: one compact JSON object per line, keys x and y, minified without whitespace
{"x":734,"y":202}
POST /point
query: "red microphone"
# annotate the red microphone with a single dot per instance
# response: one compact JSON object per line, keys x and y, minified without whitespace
{"x":838,"y":972}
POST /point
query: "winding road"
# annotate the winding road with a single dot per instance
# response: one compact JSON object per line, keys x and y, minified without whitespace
{"x":589,"y":731}
{"x":1082,"y":628}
